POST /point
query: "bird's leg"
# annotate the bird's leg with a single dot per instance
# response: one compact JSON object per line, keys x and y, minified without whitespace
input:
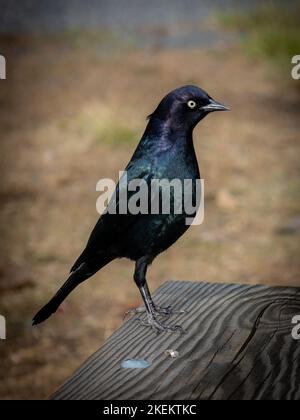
{"x":167,"y":311}
{"x":162,"y":311}
{"x":152,"y":320}
{"x":140,"y":280}
{"x":158,"y":309}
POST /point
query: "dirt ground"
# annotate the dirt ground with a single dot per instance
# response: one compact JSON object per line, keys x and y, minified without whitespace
{"x":71,"y":115}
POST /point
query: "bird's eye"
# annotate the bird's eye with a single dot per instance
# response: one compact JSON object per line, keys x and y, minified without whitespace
{"x":191,"y":104}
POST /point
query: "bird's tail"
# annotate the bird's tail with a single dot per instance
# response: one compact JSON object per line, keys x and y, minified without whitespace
{"x":75,"y":278}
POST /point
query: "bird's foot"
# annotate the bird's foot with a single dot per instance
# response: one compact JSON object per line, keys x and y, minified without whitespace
{"x":134,"y":311}
{"x":159,"y":326}
{"x":167,"y":311}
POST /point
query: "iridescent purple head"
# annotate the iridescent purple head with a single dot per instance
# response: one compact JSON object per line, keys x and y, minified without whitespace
{"x":186,"y":106}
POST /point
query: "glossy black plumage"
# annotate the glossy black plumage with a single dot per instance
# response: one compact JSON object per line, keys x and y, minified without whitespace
{"x":166,"y":151}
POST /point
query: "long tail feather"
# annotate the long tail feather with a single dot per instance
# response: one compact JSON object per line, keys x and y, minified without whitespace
{"x":51,"y":307}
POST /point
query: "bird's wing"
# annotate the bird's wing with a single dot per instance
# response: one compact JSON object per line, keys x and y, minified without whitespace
{"x":110,"y":227}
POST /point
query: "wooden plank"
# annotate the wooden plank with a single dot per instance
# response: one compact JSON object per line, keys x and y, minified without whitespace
{"x":238,"y":345}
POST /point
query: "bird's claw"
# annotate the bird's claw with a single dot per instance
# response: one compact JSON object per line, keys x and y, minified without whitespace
{"x":132,"y":312}
{"x":167,"y":311}
{"x":163,"y":311}
{"x":159,"y":327}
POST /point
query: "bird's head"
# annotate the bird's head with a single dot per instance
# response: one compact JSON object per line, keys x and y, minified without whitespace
{"x":185,"y":107}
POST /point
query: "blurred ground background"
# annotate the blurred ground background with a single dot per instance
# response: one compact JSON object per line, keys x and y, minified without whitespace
{"x":81,"y":78}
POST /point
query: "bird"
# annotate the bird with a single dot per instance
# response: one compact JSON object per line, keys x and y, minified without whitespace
{"x":165,"y":151}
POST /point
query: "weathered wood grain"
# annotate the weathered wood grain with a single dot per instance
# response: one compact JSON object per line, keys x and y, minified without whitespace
{"x":238,"y":345}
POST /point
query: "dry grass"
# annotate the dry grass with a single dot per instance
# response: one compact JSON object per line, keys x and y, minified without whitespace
{"x":73,"y":116}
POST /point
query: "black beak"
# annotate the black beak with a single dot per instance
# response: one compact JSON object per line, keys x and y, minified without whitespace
{"x":214,"y":106}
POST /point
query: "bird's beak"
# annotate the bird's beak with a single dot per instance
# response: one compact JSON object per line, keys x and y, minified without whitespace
{"x":214,"y":106}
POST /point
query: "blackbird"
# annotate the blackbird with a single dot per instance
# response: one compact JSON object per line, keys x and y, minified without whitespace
{"x":165,"y":152}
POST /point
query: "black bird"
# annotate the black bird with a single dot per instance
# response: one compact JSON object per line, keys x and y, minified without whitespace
{"x":165,"y":151}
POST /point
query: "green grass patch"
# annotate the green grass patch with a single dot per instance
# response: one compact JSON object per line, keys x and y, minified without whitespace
{"x":115,"y":134}
{"x":100,"y":124}
{"x":272,"y":31}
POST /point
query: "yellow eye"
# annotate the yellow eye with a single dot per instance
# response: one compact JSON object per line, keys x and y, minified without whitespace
{"x":191,"y":104}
